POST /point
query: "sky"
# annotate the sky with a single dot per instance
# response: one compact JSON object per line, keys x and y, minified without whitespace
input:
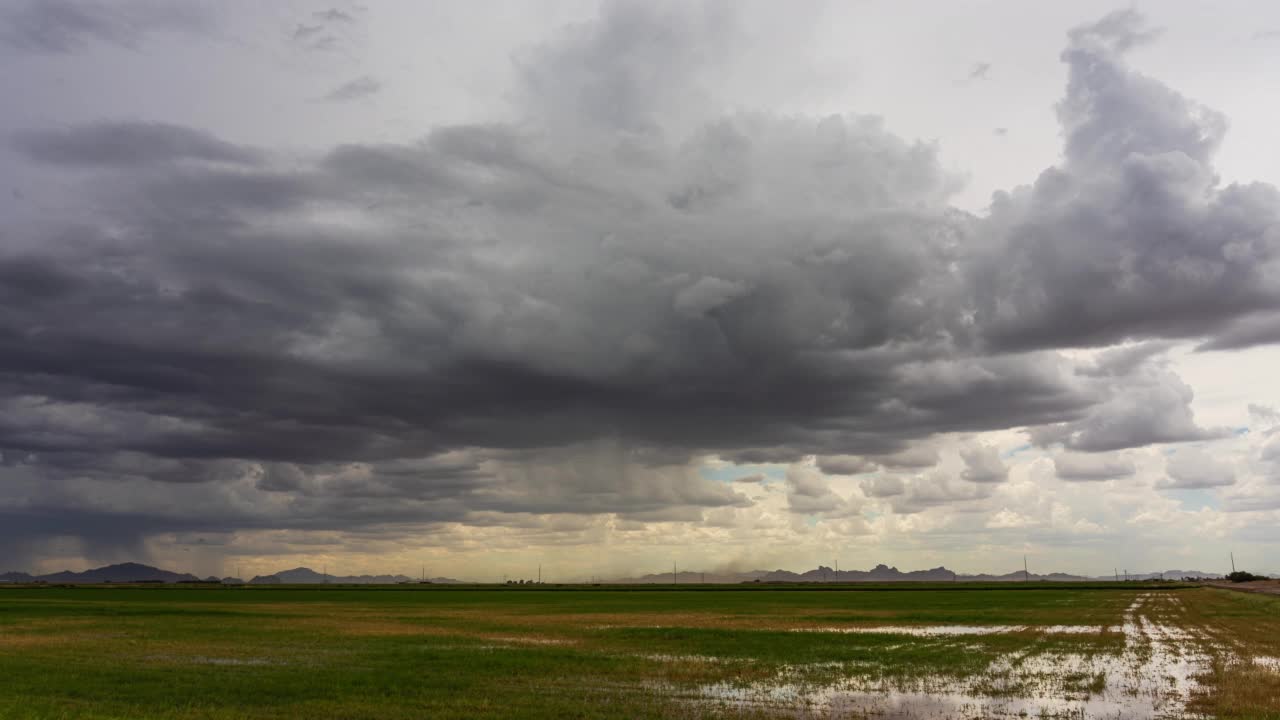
{"x":603,"y":286}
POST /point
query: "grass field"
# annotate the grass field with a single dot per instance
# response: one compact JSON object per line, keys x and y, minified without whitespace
{"x":1129,"y":651}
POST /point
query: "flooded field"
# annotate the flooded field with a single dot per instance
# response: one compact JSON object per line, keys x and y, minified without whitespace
{"x":1153,"y":674}
{"x":1153,"y":651}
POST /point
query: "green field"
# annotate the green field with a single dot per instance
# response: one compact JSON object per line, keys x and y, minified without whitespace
{"x":1125,"y":650}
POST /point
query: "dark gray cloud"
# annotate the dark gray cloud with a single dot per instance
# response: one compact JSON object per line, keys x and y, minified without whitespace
{"x":358,"y":89}
{"x":1123,"y":361}
{"x":334,"y":15}
{"x":333,"y":31}
{"x":128,"y":144}
{"x":564,"y":313}
{"x":845,"y":465}
{"x":64,"y":26}
{"x":917,"y":457}
{"x":1141,"y":402}
{"x":1131,"y":236}
{"x":1246,"y":332}
{"x":1145,"y":408}
{"x":306,"y":32}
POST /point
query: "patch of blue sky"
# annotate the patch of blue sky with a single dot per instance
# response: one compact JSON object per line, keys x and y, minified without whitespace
{"x":1197,"y":499}
{"x":1015,"y":451}
{"x":729,"y":473}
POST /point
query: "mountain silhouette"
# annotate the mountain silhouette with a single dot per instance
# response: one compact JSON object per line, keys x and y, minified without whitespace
{"x":307,"y":576}
{"x":122,"y":573}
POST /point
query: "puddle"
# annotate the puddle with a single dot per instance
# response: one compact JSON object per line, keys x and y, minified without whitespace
{"x":1152,"y":678}
{"x":898,"y":704}
{"x":203,"y":660}
{"x":1071,"y":629}
{"x":710,"y":659}
{"x":1270,"y":663}
{"x":919,"y":630}
{"x":533,"y":640}
{"x":955,"y":630}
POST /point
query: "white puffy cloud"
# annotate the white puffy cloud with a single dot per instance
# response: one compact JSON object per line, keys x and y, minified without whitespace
{"x":1195,"y":468}
{"x":883,"y":486}
{"x":1006,"y":519}
{"x":809,"y":493}
{"x":983,"y":464}
{"x":1086,"y":467}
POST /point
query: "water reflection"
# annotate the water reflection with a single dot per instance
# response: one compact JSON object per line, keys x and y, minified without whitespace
{"x":1154,"y":676}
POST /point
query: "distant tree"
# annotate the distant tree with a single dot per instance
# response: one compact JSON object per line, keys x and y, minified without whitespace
{"x":1242,"y":576}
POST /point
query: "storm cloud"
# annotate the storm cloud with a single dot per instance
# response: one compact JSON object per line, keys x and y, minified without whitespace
{"x":564,"y":310}
{"x":65,"y":26}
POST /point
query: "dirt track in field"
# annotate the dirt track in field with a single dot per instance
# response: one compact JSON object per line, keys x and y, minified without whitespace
{"x":1266,"y":587}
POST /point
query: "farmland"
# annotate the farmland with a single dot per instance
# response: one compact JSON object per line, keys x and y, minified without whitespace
{"x":1115,"y":650}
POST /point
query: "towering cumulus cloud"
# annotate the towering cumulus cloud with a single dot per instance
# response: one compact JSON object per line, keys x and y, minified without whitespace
{"x":565,"y":312}
{"x":1131,"y":237}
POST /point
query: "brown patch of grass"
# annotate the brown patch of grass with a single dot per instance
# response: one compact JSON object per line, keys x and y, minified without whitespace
{"x":1240,"y":689}
{"x":1235,"y":628}
{"x":363,"y":626}
{"x":49,"y":633}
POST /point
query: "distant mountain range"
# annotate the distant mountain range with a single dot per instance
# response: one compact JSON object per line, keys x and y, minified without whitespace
{"x":124,"y":572}
{"x":884,"y":573}
{"x":307,"y":576}
{"x":138,"y":573}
